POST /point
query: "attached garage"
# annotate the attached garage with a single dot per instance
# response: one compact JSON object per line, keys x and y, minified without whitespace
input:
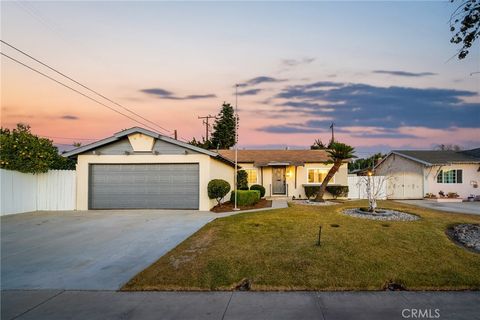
{"x":144,"y":186}
{"x":405,"y":177}
{"x":141,"y":169}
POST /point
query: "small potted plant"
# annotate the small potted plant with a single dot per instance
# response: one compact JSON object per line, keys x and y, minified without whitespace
{"x":448,"y":197}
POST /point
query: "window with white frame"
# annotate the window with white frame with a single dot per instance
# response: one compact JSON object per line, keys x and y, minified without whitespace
{"x":252,"y":175}
{"x":450,"y":176}
{"x":316,"y":175}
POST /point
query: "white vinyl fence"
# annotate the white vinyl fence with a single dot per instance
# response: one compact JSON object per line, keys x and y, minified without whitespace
{"x":357,"y":187}
{"x":24,"y":192}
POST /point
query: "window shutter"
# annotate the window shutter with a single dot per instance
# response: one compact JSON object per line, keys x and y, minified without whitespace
{"x":459,"y":176}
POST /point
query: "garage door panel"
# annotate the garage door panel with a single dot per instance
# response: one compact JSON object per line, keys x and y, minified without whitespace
{"x":144,"y":186}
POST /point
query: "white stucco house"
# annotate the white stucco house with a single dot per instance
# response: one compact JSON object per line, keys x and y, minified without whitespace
{"x":141,"y":169}
{"x":285,"y":173}
{"x":415,"y":173}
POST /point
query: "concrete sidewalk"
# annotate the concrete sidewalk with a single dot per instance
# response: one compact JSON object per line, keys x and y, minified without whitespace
{"x":276,"y":204}
{"x":51,"y":304}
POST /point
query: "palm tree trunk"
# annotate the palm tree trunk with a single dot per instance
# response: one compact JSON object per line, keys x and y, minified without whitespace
{"x":323,"y":186}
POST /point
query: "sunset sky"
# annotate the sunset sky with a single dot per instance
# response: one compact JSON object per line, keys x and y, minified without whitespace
{"x":380,"y":70}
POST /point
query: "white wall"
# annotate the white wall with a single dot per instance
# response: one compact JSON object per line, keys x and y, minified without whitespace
{"x":220,"y":170}
{"x":471,"y":178}
{"x":24,"y":192}
{"x":357,"y":187}
{"x":406,"y":179}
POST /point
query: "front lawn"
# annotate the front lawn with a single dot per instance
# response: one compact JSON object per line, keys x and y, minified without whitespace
{"x":276,"y":250}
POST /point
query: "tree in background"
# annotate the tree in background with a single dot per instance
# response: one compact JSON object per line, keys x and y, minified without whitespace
{"x":22,"y":151}
{"x":448,"y":147}
{"x":365,"y":163}
{"x":338,"y":153}
{"x":465,"y":24}
{"x":223,"y":136}
{"x":318,"y":145}
{"x":205,"y":144}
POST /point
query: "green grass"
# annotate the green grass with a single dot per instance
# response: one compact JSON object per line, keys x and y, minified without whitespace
{"x":277,"y":250}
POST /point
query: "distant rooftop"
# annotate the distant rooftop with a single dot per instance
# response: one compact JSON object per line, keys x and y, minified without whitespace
{"x":441,"y":157}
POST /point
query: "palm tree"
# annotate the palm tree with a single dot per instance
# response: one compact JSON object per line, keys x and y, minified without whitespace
{"x":338,"y":153}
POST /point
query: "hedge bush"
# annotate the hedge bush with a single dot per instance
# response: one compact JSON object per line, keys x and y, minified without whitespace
{"x":337,"y":191}
{"x":245,"y":197}
{"x":218,"y":189}
{"x":259,"y":188}
{"x":242,"y":180}
{"x":311,"y":191}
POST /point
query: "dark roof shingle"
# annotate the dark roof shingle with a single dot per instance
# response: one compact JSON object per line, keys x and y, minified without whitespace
{"x":266,"y":157}
{"x":439,"y":157}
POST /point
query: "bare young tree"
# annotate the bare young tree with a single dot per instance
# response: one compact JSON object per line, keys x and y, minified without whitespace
{"x":376,"y":188}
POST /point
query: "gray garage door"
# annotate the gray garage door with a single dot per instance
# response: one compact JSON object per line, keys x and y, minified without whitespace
{"x":143,"y":186}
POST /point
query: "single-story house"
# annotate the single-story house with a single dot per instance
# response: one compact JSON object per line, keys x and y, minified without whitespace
{"x":141,"y":169}
{"x":284,"y":173}
{"x":412,"y":174}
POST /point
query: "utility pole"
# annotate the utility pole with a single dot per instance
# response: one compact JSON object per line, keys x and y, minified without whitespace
{"x":206,"y":122}
{"x":333,"y":136}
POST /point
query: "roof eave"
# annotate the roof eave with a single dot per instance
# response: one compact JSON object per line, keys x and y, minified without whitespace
{"x":411,"y":158}
{"x":89,"y":146}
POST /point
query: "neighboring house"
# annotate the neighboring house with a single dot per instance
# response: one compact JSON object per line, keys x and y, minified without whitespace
{"x":284,"y":173}
{"x":414,"y":173}
{"x":360,"y":172}
{"x":141,"y":169}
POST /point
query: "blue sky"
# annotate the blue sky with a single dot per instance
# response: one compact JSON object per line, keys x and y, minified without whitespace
{"x":392,"y":84}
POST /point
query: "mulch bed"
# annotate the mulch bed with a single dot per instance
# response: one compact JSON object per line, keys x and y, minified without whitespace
{"x":228,"y":206}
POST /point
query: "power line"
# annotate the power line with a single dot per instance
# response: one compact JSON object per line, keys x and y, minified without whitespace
{"x":75,"y":90}
{"x":84,"y":86}
{"x":206,"y":122}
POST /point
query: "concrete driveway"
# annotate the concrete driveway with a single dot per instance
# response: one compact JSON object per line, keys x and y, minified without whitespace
{"x":458,"y":207}
{"x":89,"y":249}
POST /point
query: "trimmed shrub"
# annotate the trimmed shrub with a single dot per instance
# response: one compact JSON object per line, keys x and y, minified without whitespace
{"x":311,"y":191}
{"x":218,"y":189}
{"x":338,"y":191}
{"x":242,"y":180}
{"x":259,"y":188}
{"x":245,"y":197}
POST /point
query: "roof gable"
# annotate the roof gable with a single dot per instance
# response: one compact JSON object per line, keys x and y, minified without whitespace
{"x":117,"y":140}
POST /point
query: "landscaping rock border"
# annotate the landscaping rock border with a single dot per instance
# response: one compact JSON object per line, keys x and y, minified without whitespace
{"x":386,"y":215}
{"x":313,"y":203}
{"x":466,"y":235}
